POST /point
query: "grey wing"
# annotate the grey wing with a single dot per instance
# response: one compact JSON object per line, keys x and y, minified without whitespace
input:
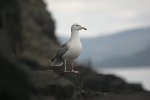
{"x":62,"y":50}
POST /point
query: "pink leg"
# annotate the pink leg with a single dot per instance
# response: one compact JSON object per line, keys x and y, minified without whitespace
{"x":74,"y":71}
{"x":65,"y":67}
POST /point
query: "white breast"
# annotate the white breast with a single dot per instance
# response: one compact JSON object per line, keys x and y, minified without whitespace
{"x":74,"y":46}
{"x":74,"y":50}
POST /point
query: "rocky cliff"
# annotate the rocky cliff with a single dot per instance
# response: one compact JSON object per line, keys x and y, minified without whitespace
{"x":27,"y":29}
{"x":27,"y":42}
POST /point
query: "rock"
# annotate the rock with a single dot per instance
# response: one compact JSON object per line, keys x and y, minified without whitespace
{"x":48,"y":82}
{"x":15,"y":84}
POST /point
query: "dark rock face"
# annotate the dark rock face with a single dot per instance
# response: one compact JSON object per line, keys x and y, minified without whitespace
{"x":27,"y":30}
{"x":33,"y":11}
{"x":14,"y":81}
{"x":27,"y":41}
{"x":38,"y":30}
{"x":10,"y":34}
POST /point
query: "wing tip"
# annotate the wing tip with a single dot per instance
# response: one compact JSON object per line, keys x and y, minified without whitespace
{"x":57,"y":62}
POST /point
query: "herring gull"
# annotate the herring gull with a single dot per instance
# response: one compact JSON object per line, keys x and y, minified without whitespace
{"x":70,"y":50}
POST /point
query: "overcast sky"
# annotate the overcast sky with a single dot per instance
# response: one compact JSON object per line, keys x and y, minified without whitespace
{"x":100,"y":17}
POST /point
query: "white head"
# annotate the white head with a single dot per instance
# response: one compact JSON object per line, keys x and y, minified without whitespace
{"x":77,"y":27}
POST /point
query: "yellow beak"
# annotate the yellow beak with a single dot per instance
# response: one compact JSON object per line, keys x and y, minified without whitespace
{"x":83,"y":28}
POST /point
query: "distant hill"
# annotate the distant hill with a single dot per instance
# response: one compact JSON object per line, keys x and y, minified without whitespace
{"x":141,"y":58}
{"x":126,"y":48}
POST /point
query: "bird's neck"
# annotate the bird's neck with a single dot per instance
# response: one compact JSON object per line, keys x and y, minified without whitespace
{"x":75,"y":35}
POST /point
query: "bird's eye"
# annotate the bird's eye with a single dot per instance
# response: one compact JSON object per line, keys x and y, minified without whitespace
{"x":77,"y":25}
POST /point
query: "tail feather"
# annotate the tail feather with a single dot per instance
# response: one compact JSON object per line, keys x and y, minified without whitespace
{"x":57,"y":62}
